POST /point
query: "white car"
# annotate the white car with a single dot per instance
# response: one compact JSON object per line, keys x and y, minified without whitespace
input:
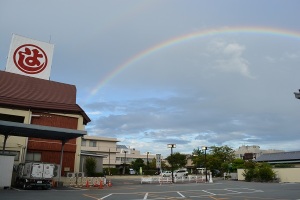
{"x":166,"y":174}
{"x":181,"y":173}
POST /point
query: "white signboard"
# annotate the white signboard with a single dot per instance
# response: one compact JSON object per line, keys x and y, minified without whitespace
{"x":158,"y":161}
{"x":30,"y":57}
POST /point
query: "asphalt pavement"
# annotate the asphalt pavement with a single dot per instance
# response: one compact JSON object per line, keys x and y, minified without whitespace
{"x":130,"y":188}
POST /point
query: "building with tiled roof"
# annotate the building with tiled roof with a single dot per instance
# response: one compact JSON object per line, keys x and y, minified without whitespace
{"x":34,"y":101}
{"x":292,"y":157}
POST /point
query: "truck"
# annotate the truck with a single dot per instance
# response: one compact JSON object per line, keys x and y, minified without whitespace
{"x":35,"y":175}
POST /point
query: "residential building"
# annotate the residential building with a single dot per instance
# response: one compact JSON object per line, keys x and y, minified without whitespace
{"x":102,"y":148}
{"x":126,"y":155}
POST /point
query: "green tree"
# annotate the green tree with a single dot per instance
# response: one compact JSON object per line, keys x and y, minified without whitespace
{"x":237,"y":164}
{"x":137,"y":164}
{"x":198,"y":158}
{"x":177,"y":160}
{"x":220,"y":158}
{"x":90,"y":166}
{"x":152,"y":164}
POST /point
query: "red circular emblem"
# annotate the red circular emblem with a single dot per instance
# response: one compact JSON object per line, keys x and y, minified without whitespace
{"x":30,"y":59}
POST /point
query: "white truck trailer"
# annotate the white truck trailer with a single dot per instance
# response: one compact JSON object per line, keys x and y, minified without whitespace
{"x":35,"y":175}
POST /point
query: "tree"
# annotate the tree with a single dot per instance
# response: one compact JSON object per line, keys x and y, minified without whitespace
{"x":137,"y":164}
{"x":237,"y":163}
{"x":177,"y":160}
{"x":220,"y":158}
{"x":90,"y":166}
{"x":198,"y":158}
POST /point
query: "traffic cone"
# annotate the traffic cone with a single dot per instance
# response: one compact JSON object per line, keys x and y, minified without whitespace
{"x":109,"y":184}
{"x":87,"y":183}
{"x":101,"y":185}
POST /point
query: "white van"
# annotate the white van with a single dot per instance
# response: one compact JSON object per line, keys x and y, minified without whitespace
{"x":181,"y":173}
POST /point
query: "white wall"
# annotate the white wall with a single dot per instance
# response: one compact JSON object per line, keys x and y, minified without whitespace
{"x":289,"y":175}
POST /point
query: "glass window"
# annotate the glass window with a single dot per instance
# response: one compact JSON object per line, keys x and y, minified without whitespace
{"x":83,"y":142}
{"x":33,"y":156}
{"x":93,"y":143}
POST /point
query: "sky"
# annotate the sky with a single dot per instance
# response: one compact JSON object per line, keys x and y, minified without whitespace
{"x":187,"y":72}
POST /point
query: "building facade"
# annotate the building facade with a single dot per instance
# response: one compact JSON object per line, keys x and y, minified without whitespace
{"x":43,"y":103}
{"x":250,"y":152}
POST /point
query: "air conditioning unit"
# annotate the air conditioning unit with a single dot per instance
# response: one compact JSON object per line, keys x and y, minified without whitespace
{"x":70,"y":175}
{"x":80,"y":174}
{"x":56,"y":171}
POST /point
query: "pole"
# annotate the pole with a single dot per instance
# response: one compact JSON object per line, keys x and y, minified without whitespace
{"x":205,"y":165}
{"x":172,"y":164}
{"x":108,"y":161}
{"x":147,"y":161}
{"x":124,"y":164}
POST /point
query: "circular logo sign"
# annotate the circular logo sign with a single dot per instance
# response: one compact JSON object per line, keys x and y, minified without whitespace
{"x":30,"y":59}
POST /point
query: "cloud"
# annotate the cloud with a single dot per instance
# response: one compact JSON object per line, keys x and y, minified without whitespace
{"x":228,"y":57}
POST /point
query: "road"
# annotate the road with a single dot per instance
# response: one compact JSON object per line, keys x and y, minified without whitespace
{"x":132,"y":189}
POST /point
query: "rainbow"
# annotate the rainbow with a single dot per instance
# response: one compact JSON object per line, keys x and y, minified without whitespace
{"x":186,"y":38}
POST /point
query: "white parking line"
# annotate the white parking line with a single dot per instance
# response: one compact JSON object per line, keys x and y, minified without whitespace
{"x":146,"y":195}
{"x":106,"y":196}
{"x":181,"y":194}
{"x":209,"y":192}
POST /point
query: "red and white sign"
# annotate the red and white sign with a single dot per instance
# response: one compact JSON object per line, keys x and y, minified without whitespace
{"x":30,"y":57}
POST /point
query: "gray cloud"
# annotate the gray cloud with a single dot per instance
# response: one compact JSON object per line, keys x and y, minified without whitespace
{"x":229,"y":88}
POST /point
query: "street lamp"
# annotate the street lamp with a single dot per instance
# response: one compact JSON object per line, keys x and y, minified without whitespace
{"x":297,"y":95}
{"x":124,"y":164}
{"x":172,"y":146}
{"x":205,"y":148}
{"x":147,"y":160}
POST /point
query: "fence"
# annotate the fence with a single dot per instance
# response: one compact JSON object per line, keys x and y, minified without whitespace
{"x":187,"y":179}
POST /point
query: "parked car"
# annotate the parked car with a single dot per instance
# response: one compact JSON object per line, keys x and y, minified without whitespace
{"x":181,"y":173}
{"x":166,"y":174}
{"x":132,"y":171}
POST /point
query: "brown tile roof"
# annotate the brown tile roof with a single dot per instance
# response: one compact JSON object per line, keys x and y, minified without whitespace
{"x":24,"y":92}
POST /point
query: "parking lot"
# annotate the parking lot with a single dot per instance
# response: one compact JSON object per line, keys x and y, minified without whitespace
{"x":132,"y":189}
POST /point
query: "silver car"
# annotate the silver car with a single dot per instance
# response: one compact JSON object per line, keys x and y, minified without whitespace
{"x":166,"y":173}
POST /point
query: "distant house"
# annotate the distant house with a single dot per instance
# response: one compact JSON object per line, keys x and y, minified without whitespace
{"x":292,"y":157}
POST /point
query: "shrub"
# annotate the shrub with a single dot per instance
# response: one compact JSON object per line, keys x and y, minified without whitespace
{"x":111,"y":171}
{"x":248,"y":174}
{"x":90,"y":166}
{"x":265,"y":173}
{"x":259,"y":172}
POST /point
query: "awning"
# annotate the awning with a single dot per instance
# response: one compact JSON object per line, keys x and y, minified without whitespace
{"x":93,"y":154}
{"x":38,"y":131}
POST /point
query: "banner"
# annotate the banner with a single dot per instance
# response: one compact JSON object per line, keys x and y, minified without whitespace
{"x":30,"y":57}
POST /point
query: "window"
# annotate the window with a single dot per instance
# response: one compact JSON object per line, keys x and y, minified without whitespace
{"x":16,"y":153}
{"x":93,"y":143}
{"x":83,"y":142}
{"x":33,"y":156}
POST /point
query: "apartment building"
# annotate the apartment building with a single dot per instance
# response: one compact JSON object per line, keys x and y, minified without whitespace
{"x":109,"y":154}
{"x":101,"y":148}
{"x":126,"y":155}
